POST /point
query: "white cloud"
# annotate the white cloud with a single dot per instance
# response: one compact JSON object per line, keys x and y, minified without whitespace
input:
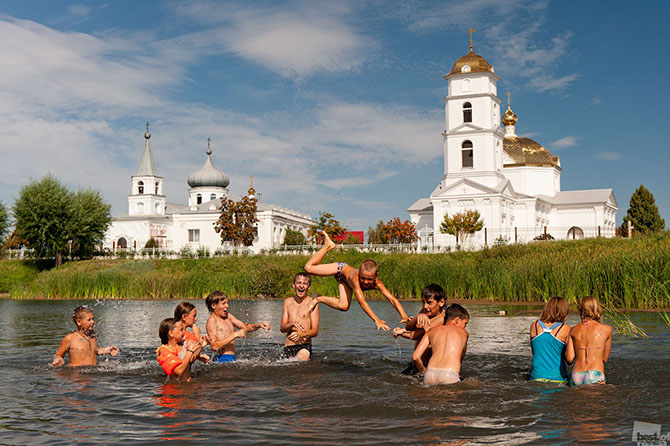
{"x":566,"y":141}
{"x":609,"y":156}
{"x":594,"y":101}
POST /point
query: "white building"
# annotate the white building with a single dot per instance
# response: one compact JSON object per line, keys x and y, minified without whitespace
{"x":514,"y":182}
{"x":175,"y":226}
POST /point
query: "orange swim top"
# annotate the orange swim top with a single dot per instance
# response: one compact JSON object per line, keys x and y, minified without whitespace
{"x":188,"y":336}
{"x":168,"y":359}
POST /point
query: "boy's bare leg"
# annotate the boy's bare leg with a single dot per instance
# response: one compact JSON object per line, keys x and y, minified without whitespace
{"x":313,"y":265}
{"x":342,"y":304}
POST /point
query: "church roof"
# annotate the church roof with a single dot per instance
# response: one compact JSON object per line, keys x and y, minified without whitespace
{"x":422,"y":204}
{"x":146,"y":166}
{"x":581,"y":197}
{"x":526,"y":152}
{"x":208,"y":175}
{"x":475,"y":63}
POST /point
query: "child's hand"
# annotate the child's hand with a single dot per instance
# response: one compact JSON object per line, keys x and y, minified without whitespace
{"x":112,"y":350}
{"x":241,"y":333}
{"x":381,"y":324}
{"x":265,"y":325}
{"x":398,"y":331}
{"x":204,"y":340}
{"x":298,"y":326}
{"x":58,"y":361}
{"x":295,"y":336}
{"x":204,"y":358}
{"x":423,"y":321}
{"x":192,"y":346}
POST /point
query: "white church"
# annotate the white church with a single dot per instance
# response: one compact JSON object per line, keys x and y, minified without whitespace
{"x":513,"y":181}
{"x":176,"y":226}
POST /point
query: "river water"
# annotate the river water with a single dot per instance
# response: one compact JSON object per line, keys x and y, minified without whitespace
{"x":351,"y":392}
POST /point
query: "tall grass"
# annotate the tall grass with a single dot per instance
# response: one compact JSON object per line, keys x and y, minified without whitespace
{"x":625,"y":273}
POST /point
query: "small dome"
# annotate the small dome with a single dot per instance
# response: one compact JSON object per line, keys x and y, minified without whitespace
{"x":470,"y":63}
{"x":208,"y":175}
{"x":509,"y":118}
{"x":526,"y":152}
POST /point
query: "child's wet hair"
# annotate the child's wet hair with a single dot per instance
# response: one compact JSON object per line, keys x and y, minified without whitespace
{"x":454,"y":311}
{"x":590,"y":307}
{"x":165,"y":327}
{"x":433,"y":290}
{"x":369,"y":265}
{"x":555,"y":310}
{"x":182,"y":309}
{"x":214,"y":298}
{"x":79,"y":312}
{"x":303,"y":274}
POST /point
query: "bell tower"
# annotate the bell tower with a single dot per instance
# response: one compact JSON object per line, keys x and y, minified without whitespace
{"x":146,"y":195}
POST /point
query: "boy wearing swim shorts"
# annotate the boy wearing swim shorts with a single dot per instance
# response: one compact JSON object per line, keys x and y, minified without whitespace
{"x":221,"y":327}
{"x":82,"y":345}
{"x":299,"y":324}
{"x":355,"y":281}
{"x":449,"y":343}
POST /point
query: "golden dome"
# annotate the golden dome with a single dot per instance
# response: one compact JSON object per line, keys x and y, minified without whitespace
{"x":475,"y":64}
{"x":526,"y":152}
{"x":509,"y":118}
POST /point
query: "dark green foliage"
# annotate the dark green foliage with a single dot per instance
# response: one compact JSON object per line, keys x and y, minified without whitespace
{"x":376,"y":234}
{"x":293,"y":238}
{"x":4,"y":222}
{"x":643,"y":212}
{"x":151,"y":243}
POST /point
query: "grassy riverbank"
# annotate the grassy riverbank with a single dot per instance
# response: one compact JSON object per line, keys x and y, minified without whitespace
{"x":626,"y":273}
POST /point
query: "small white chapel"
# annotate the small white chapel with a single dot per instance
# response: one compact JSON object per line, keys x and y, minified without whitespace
{"x":513,"y":181}
{"x":176,"y":226}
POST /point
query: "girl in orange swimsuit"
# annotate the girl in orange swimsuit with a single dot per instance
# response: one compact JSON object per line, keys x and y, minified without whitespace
{"x":176,"y":355}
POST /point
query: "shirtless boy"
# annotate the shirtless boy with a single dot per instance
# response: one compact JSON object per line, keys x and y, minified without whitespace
{"x":299,"y":324}
{"x":449,"y":343}
{"x":81,"y":345}
{"x":355,"y":282}
{"x":221,"y":327}
{"x":589,"y":344}
{"x":431,"y":315}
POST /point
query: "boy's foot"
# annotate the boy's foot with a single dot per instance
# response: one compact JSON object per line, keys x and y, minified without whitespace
{"x":327,"y":242}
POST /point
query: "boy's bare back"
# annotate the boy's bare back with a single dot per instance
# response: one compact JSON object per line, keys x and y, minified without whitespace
{"x":448,"y":343}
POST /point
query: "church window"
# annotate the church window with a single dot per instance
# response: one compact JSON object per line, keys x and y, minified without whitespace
{"x":140,"y":208}
{"x":575,"y":233}
{"x":156,"y":188}
{"x":467,"y":154}
{"x":157,"y":208}
{"x":140,"y":187}
{"x":122,"y":243}
{"x":466,"y":85}
{"x":212,"y":197}
{"x":194,"y":235}
{"x":198,"y":199}
{"x":467,"y":112}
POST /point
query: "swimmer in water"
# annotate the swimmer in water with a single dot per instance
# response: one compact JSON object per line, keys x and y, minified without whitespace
{"x":355,"y":282}
{"x":188,"y":314}
{"x":176,"y":355}
{"x":299,"y":324}
{"x":221,"y":327}
{"x":449,"y":342}
{"x":82,"y":345}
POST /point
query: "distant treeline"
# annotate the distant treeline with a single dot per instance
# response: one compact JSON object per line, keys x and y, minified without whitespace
{"x":628,"y":273}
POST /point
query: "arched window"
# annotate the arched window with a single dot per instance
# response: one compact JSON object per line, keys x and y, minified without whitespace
{"x":212,"y":197}
{"x":467,"y":112}
{"x":156,"y":188}
{"x":140,"y":187}
{"x":198,"y":199}
{"x":575,"y":233}
{"x":122,"y":243}
{"x":467,"y":154}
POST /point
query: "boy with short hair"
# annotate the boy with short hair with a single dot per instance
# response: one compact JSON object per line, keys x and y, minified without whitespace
{"x":431,"y":315}
{"x":82,"y":345}
{"x":298,"y":322}
{"x":355,"y":281}
{"x":449,"y":343}
{"x":221,"y":327}
{"x":176,"y":355}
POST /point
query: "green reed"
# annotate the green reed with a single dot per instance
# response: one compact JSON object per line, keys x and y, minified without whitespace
{"x":626,"y":272}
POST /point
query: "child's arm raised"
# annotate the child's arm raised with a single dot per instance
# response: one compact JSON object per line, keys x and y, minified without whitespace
{"x":391,"y":298}
{"x":358,"y":292}
{"x":418,"y":353}
{"x":109,"y":350}
{"x":248,"y":327}
{"x":59,"y":356}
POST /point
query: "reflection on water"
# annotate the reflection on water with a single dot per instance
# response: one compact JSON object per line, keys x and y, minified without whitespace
{"x":352,"y":390}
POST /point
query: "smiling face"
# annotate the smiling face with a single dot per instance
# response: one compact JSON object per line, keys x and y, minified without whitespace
{"x":177,"y":333}
{"x":221,"y":308}
{"x":301,"y":286}
{"x":367,"y":279}
{"x":189,"y":318}
{"x":433,"y":307}
{"x":85,"y":322}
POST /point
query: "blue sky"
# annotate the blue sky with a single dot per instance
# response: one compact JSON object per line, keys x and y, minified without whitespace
{"x":331,"y":106}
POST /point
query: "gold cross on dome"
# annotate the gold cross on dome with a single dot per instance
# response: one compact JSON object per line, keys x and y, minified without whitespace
{"x":470,"y":31}
{"x":508,"y":96}
{"x":147,"y":125}
{"x":251,"y":180}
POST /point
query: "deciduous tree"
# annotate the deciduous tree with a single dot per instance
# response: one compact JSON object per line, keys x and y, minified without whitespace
{"x":643,"y":212}
{"x":328,"y":223}
{"x":397,"y":231}
{"x":375,"y":234}
{"x":237,"y":221}
{"x":4,"y":222}
{"x":462,"y":225}
{"x":293,"y":238}
{"x":53,"y":220}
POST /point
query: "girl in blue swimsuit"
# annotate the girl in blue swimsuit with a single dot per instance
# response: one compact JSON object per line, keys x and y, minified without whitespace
{"x":548,"y":338}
